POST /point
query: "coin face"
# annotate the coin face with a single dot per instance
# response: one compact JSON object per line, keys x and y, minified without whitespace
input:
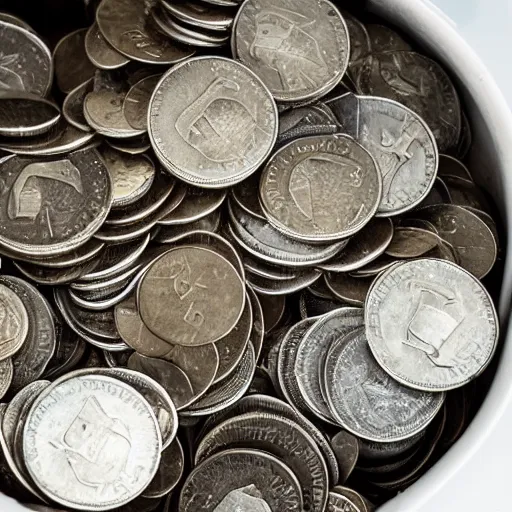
{"x":369,"y":403}
{"x":178,"y":296}
{"x":299,"y":48}
{"x":13,"y":323}
{"x":405,"y":304}
{"x":210,"y":482}
{"x":321,"y":188}
{"x":136,"y":103}
{"x":25,"y":61}
{"x":222,"y":130}
{"x":89,"y":433}
{"x":340,"y":503}
{"x":51,"y":207}
{"x":100,"y":52}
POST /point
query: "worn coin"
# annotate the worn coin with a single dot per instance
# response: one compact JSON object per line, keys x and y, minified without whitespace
{"x":52,"y":207}
{"x":136,"y":102}
{"x":100,"y":52}
{"x":222,"y":131}
{"x":339,"y":503}
{"x":399,"y":322}
{"x":99,"y":433}
{"x":267,"y":38}
{"x":321,"y":188}
{"x":222,"y":474}
{"x":177,"y":295}
{"x":409,"y":242}
{"x":73,"y":106}
{"x":450,"y":166}
{"x":200,"y":15}
{"x":346,"y":448}
{"x":14,"y":327}
{"x":26,"y":63}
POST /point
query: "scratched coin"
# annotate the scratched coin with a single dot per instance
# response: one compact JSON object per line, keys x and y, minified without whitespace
{"x":91,"y":432}
{"x":177,"y":297}
{"x":54,"y":206}
{"x":14,"y":327}
{"x":224,"y":129}
{"x":267,"y":38}
{"x":426,"y":293}
{"x":369,"y":403}
{"x":321,"y":188}
{"x":25,"y":62}
{"x":217,"y":484}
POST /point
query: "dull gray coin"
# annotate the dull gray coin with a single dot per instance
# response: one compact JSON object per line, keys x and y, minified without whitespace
{"x":6,"y":374}
{"x":73,"y":106}
{"x":100,"y":52}
{"x":385,"y":39}
{"x":136,"y":102}
{"x":15,"y":326}
{"x":412,"y":242}
{"x":352,"y":290}
{"x":171,"y":234}
{"x":346,"y":447}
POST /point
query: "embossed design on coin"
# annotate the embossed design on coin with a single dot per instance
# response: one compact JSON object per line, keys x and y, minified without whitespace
{"x":321,"y":188}
{"x":434,"y":333}
{"x":299,"y":48}
{"x":91,"y":442}
{"x":224,"y":130}
{"x":178,"y":296}
{"x":13,"y":323}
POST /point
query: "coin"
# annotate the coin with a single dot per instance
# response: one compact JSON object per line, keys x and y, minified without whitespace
{"x":200,"y":15}
{"x":72,"y":66}
{"x":100,"y":52}
{"x":225,"y":129}
{"x":385,"y":39}
{"x":412,"y":242}
{"x":72,"y":195}
{"x":186,"y":281}
{"x":217,"y":477}
{"x":73,"y":106}
{"x":346,"y":448}
{"x":450,"y":298}
{"x":347,"y":288}
{"x":124,"y":25}
{"x":309,"y":179}
{"x":291,"y":75}
{"x":6,"y":373}
{"x":121,"y":437}
{"x":26,"y":64}
{"x":171,"y":234}
{"x":14,"y":323}
{"x":136,"y":102}
{"x":339,"y":503}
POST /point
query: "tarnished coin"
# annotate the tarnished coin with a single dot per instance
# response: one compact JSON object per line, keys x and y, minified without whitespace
{"x":450,"y":166}
{"x":52,"y":207}
{"x":421,"y":85}
{"x":225,"y":129}
{"x":6,"y":374}
{"x":26,"y":63}
{"x":321,"y":188}
{"x":72,"y":66}
{"x":346,"y":448}
{"x":400,"y":320}
{"x":267,"y":38}
{"x":339,"y":503}
{"x":366,"y":401}
{"x":100,"y":52}
{"x":132,"y":175}
{"x":218,"y":477}
{"x":14,"y":20}
{"x":409,"y":242}
{"x":14,"y":326}
{"x":124,"y":25}
{"x":177,"y":297}
{"x":385,"y":39}
{"x":245,"y":198}
{"x":136,"y":102}
{"x":401,"y":143}
{"x":98,"y":432}
{"x":349,"y":289}
{"x":73,"y":106}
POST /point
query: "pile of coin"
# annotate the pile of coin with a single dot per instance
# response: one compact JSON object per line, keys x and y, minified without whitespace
{"x":250,"y":281}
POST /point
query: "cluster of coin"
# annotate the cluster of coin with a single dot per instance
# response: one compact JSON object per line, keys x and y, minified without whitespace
{"x":238,"y":283}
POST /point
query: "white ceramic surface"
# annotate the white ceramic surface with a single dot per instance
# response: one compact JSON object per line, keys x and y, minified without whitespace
{"x":474,"y":475}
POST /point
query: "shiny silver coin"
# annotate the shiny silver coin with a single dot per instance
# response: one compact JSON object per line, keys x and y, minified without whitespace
{"x":171,"y":234}
{"x":321,"y":189}
{"x":100,"y":52}
{"x":124,"y":25}
{"x":430,"y":292}
{"x":26,"y":64}
{"x":339,"y":503}
{"x":15,"y":329}
{"x":316,"y":27}
{"x":266,"y":286}
{"x":14,"y":20}
{"x":132,"y":146}
{"x":200,"y":15}
{"x":241,"y":477}
{"x":73,"y":199}
{"x":386,"y":410}
{"x":227,"y":96}
{"x":73,"y":106}
{"x":123,"y":440}
{"x":407,"y":158}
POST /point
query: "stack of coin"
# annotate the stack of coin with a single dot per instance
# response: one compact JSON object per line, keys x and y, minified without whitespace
{"x":253,"y":283}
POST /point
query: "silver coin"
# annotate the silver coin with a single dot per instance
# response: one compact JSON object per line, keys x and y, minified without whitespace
{"x":339,"y":503}
{"x":385,"y":39}
{"x":72,"y":66}
{"x":350,"y":289}
{"x":171,"y":234}
{"x":26,"y":115}
{"x":280,"y":437}
{"x":346,"y":448}
{"x":200,"y":15}
{"x":14,"y":20}
{"x":132,"y":146}
{"x":15,"y":327}
{"x":310,"y":305}
{"x":124,"y":25}
{"x":400,"y":141}
{"x":100,"y":52}
{"x":26,"y":64}
{"x":217,"y":477}
{"x":261,"y":268}
{"x":381,"y":451}
{"x":72,"y":195}
{"x":226,"y":95}
{"x":6,"y":374}
{"x":291,"y":74}
{"x":73,"y":106}
{"x":98,"y":432}
{"x":430,"y":292}
{"x":411,"y":242}
{"x":136,"y":102}
{"x":245,"y":198}
{"x":321,"y":189}
{"x":465,"y":193}
{"x":265,"y":286}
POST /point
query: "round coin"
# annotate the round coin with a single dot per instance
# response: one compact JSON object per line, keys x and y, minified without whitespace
{"x":6,"y":373}
{"x":178,"y":296}
{"x":430,"y":324}
{"x":299,"y":48}
{"x":13,"y":327}
{"x":340,"y":503}
{"x":321,"y":188}
{"x":100,"y":52}
{"x":224,"y":128}
{"x":136,"y":102}
{"x":87,"y":433}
